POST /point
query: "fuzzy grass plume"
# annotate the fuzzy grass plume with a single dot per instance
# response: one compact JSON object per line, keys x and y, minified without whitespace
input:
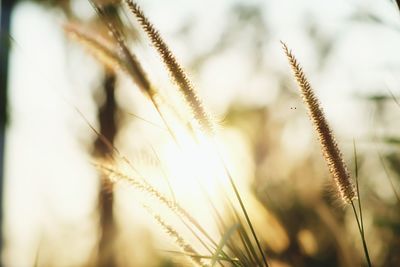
{"x":174,"y":68}
{"x":331,"y":152}
{"x":179,"y":240}
{"x":130,"y":63}
{"x":101,"y":48}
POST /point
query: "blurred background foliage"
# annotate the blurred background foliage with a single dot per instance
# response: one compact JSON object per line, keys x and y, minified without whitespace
{"x":349,"y":50}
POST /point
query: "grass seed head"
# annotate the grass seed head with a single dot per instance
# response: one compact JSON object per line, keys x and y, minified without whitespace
{"x":174,"y":68}
{"x":331,"y":152}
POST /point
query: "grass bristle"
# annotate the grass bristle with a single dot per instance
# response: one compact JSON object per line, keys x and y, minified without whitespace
{"x":331,"y":152}
{"x":175,"y":69}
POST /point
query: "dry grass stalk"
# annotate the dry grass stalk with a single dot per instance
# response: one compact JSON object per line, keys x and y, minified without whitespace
{"x":116,"y":176}
{"x":333,"y":156}
{"x":175,"y":69}
{"x":113,"y":56}
{"x":99,"y":47}
{"x":127,"y":59}
{"x":178,"y":239}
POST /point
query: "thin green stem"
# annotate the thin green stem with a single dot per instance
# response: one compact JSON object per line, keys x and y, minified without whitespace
{"x":359,"y":219}
{"x":357,"y":185}
{"x":246,"y":215}
{"x":361,"y":230}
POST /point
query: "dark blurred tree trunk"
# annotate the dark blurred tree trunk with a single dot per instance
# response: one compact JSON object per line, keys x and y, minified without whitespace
{"x":108,"y":129}
{"x":6,"y":9}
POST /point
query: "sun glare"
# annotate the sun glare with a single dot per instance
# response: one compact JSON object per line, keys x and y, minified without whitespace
{"x":117,"y":155}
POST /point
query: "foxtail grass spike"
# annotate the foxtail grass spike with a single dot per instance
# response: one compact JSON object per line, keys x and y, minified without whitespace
{"x":175,"y":69}
{"x":331,"y":152}
{"x":179,"y":240}
{"x":129,"y":61}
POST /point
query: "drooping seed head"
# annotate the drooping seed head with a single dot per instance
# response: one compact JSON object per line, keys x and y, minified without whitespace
{"x":331,"y":152}
{"x":174,"y":68}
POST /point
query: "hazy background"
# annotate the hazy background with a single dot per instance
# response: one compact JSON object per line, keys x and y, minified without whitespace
{"x":232,"y":50}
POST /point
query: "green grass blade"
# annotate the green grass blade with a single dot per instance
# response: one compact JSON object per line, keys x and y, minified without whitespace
{"x":225,"y":238}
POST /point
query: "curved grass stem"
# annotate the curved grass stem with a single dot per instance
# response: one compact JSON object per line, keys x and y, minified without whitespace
{"x":360,"y":222}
